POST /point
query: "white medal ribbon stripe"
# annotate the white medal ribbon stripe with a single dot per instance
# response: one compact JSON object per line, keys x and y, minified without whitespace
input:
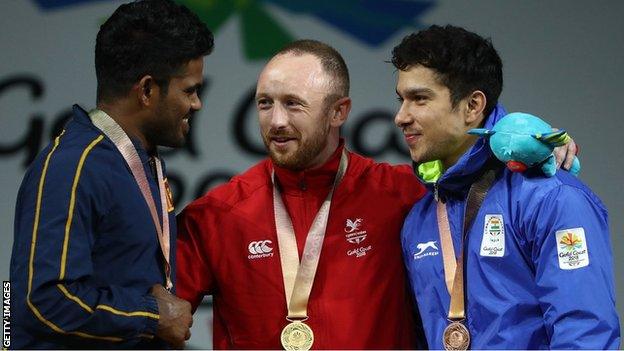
{"x":454,"y":267}
{"x":448,"y":249}
{"x":123,"y":143}
{"x":287,"y":243}
{"x":165,"y":244}
{"x":299,"y":277}
{"x":309,"y":262}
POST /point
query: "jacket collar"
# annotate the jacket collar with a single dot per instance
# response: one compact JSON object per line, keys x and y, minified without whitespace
{"x":456,"y":181}
{"x":317,"y":178}
{"x":81,"y":116}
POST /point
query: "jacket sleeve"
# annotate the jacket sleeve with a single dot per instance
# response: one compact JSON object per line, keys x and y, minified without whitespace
{"x":194,"y":276}
{"x":66,"y":193}
{"x":421,"y":338}
{"x":571,"y":253}
{"x":408,"y":187}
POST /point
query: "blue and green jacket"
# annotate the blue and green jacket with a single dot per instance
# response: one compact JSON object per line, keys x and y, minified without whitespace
{"x":538,"y":261}
{"x":85,"y":250}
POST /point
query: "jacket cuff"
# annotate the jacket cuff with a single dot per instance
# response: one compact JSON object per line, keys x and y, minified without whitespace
{"x":151,"y":324}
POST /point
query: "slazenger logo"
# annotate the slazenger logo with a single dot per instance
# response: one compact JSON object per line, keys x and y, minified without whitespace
{"x":260,"y":249}
{"x":426,"y":249}
{"x":354,"y":236}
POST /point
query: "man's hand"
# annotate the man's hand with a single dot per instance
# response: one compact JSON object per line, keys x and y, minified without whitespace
{"x":565,"y":154}
{"x":175,"y":317}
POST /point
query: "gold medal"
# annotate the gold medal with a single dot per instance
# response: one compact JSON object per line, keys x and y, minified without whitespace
{"x":297,"y":336}
{"x":456,"y":337}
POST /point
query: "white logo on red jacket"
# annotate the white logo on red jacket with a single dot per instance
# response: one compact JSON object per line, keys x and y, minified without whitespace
{"x":260,"y":249}
{"x":352,"y":226}
{"x":354,"y":235}
{"x":360,"y":251}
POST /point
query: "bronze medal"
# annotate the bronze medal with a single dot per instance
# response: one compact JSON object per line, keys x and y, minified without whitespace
{"x":456,"y":337}
{"x":297,"y":336}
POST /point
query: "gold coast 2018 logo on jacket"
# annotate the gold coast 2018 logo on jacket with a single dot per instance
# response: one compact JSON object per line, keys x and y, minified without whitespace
{"x":572,"y":248}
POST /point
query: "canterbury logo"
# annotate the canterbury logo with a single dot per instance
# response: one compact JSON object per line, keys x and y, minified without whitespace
{"x":424,"y":246}
{"x":352,"y":226}
{"x":260,"y":247}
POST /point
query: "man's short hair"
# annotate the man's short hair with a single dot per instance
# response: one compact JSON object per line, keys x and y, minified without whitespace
{"x":331,"y":61}
{"x":463,"y":61}
{"x":149,"y":37}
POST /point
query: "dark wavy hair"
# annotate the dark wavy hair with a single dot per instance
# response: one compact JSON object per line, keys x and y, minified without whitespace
{"x":149,"y":37}
{"x":464,"y":61}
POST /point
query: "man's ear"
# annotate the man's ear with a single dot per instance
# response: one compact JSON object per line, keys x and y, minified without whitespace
{"x":147,"y":91}
{"x":475,"y":104}
{"x":340,"y":111}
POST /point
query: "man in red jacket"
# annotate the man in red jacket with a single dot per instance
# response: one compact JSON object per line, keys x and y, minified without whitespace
{"x":339,"y":212}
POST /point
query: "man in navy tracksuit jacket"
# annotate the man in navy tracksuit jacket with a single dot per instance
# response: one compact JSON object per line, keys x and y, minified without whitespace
{"x":537,"y":257}
{"x":107,"y":253}
{"x":89,"y":264}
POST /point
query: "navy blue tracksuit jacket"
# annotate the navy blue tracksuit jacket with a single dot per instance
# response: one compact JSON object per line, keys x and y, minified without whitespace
{"x":85,"y":252}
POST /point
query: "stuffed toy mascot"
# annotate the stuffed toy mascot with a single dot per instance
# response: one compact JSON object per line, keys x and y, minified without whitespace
{"x":521,"y":141}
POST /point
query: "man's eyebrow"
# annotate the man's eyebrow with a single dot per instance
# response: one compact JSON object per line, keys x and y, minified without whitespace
{"x":197,"y":86}
{"x":417,"y":91}
{"x":286,"y":96}
{"x":194,"y":87}
{"x":294,"y":97}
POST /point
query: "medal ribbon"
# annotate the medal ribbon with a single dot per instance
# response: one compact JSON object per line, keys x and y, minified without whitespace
{"x":454,"y":268}
{"x":123,"y":143}
{"x":298,"y":277}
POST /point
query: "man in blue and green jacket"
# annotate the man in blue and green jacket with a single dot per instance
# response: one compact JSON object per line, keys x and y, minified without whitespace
{"x":537,"y":256}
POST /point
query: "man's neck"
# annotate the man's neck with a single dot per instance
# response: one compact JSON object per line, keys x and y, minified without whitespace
{"x":325,"y":154}
{"x":464,"y":146}
{"x":319,"y":178}
{"x":128,"y":119}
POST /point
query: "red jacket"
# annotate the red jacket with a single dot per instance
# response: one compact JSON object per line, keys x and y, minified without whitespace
{"x":359,"y":299}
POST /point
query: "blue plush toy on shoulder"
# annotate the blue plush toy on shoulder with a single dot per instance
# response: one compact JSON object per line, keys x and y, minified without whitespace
{"x":521,"y":140}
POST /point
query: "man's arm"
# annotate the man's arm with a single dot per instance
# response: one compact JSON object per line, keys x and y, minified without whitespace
{"x":194,"y":275}
{"x":421,"y":338}
{"x":574,"y":270}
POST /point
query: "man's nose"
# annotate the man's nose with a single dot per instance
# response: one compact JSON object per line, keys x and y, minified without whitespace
{"x":402,"y":117}
{"x":279,"y":117}
{"x":196,"y":103}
